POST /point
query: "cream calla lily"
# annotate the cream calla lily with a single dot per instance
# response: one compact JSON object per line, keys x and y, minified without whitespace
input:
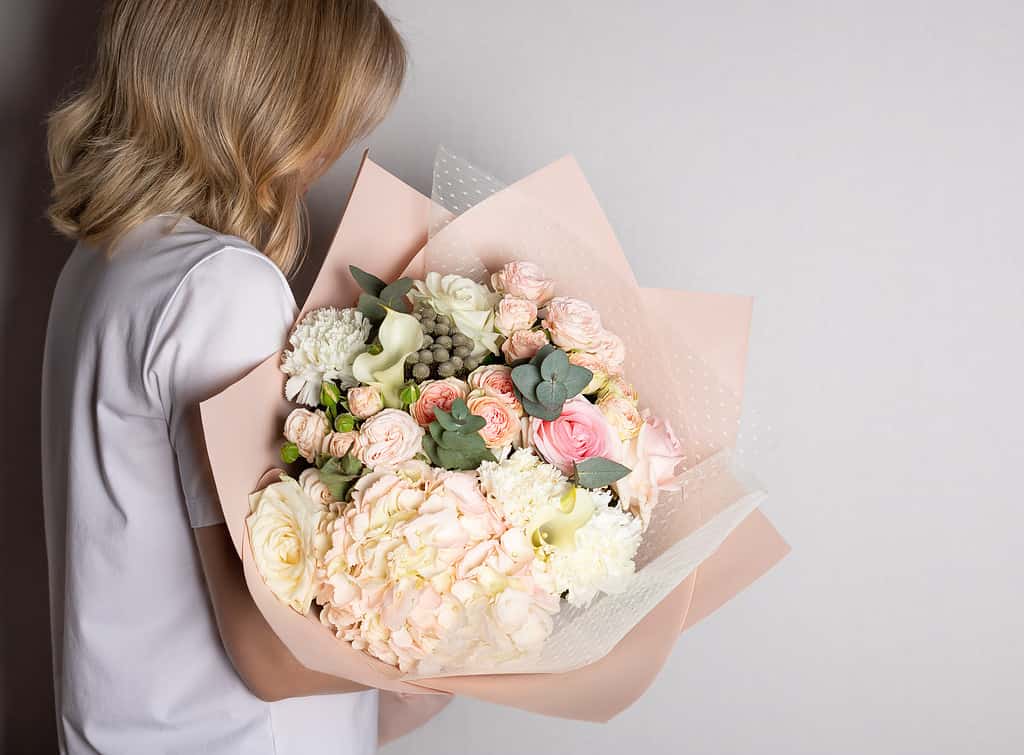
{"x":399,"y":335}
{"x":556,"y":526}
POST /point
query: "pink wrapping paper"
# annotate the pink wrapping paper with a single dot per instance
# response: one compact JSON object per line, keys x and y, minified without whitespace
{"x":384,"y":229}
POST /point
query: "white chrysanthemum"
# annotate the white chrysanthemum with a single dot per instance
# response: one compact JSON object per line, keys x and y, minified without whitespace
{"x":521,"y":485}
{"x":602,"y":560}
{"x":324,"y":345}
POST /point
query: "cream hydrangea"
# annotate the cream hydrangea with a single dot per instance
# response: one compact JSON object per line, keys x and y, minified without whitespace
{"x":324,"y":345}
{"x":602,"y":559}
{"x":469,"y":304}
{"x":423,"y":575}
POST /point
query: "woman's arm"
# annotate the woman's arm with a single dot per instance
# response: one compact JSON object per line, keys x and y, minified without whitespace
{"x":263,"y":662}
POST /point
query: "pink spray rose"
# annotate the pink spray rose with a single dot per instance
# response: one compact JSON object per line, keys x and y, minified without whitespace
{"x":437,"y":394}
{"x":307,"y":431}
{"x":621,"y":414}
{"x":524,"y":280}
{"x":611,"y":350}
{"x":514,"y":314}
{"x":523,"y":344}
{"x":388,"y":438}
{"x":653,"y":456}
{"x":496,"y":380}
{"x":364,"y":401}
{"x":581,"y":432}
{"x":573,"y":324}
{"x":339,"y":444}
{"x":501,"y":417}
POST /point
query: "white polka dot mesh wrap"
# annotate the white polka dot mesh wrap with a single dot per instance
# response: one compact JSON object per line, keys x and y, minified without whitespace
{"x":716,"y":495}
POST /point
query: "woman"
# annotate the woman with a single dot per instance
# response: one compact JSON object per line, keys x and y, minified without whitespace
{"x":179,"y":169}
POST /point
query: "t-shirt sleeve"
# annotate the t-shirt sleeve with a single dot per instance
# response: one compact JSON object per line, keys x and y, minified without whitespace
{"x":231,"y":311}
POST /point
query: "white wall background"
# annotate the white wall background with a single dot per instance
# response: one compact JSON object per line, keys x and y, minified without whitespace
{"x":859,"y":167}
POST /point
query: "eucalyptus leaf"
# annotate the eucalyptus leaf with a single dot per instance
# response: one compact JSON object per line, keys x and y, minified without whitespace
{"x":460,"y":411}
{"x":369,"y":282}
{"x":542,"y":354}
{"x":576,"y":379}
{"x":555,"y":365}
{"x":473,"y":424}
{"x":552,"y":395}
{"x":445,"y":419}
{"x":538,"y":410}
{"x":599,"y":472}
{"x":394,"y":295}
{"x":525,"y":377}
{"x":371,"y":307}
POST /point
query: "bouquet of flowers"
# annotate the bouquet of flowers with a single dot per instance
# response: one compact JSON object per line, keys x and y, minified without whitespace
{"x":464,"y":450}
{"x":504,"y":461}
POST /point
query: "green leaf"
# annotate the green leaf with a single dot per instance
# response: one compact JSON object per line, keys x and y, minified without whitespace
{"x":555,"y":365}
{"x":445,"y":419}
{"x":456,"y":441}
{"x":372,"y":308}
{"x":345,"y":423}
{"x":394,"y":295}
{"x":409,"y":394}
{"x":599,"y":472}
{"x":460,"y":411}
{"x":576,"y":379}
{"x":351,"y":465}
{"x":436,"y":431}
{"x":525,"y":377}
{"x":538,"y":410}
{"x":289,"y":453}
{"x":542,"y":354}
{"x":369,"y":282}
{"x":552,"y":395}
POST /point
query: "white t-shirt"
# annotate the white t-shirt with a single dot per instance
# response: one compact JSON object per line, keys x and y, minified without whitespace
{"x":134,"y":343}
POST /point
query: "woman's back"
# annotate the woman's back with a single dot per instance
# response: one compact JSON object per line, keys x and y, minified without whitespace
{"x":134,"y":342}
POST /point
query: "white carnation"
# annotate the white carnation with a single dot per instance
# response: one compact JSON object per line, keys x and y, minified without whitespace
{"x":521,"y":485}
{"x":602,"y":560}
{"x":324,"y":345}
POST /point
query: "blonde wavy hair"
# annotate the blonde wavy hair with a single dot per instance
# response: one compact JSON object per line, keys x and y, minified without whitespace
{"x":220,"y":110}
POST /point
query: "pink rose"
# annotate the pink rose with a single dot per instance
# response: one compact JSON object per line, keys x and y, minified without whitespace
{"x":338,"y":444}
{"x":617,"y":386}
{"x":653,"y":456}
{"x":523,"y":344}
{"x":524,"y":280}
{"x":365,"y":401}
{"x":388,"y":438}
{"x":573,"y":324}
{"x":306,"y":430}
{"x":315,"y":488}
{"x":581,"y":432}
{"x":437,"y":394}
{"x":502,"y":419}
{"x":514,"y":314}
{"x":611,"y":350}
{"x":598,"y":368}
{"x":496,"y":380}
{"x":621,"y":414}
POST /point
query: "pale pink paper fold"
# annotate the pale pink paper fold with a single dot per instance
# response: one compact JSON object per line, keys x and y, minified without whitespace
{"x":383,"y":230}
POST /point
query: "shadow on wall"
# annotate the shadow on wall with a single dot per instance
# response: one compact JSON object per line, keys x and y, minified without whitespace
{"x":30,"y":263}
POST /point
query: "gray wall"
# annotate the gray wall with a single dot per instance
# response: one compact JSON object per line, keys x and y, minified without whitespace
{"x":858,"y":167}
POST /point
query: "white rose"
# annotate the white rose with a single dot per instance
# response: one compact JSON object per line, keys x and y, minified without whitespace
{"x":469,"y":304}
{"x":283,"y":532}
